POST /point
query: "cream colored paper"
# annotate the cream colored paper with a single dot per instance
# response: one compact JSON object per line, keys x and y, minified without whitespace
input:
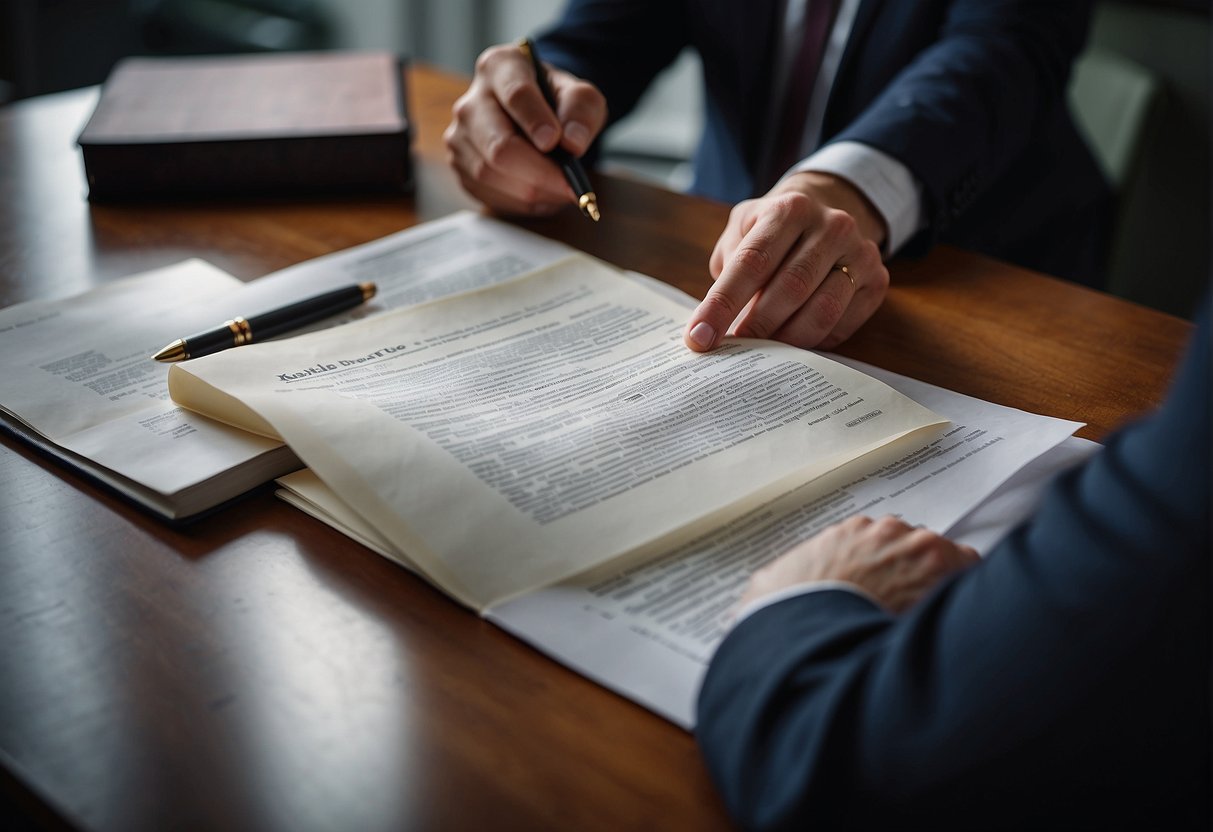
{"x":509,"y":438}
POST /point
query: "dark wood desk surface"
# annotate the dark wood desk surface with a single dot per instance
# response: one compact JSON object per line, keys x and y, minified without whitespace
{"x":260,"y":671}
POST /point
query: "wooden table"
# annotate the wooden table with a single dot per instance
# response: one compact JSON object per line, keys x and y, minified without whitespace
{"x":260,"y":671}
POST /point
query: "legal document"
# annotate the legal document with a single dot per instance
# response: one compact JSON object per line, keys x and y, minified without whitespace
{"x":559,"y":411}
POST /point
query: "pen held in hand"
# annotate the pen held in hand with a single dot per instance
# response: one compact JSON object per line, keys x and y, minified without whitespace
{"x":240,"y":331}
{"x":574,"y":173}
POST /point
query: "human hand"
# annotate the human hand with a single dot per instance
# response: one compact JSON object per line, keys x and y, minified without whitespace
{"x":893,"y":562}
{"x":777,"y":267}
{"x":502,"y":126}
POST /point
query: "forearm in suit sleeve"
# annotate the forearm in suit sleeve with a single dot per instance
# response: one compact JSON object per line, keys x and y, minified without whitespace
{"x":1063,"y":682}
{"x":966,"y":107}
{"x":618,"y":45}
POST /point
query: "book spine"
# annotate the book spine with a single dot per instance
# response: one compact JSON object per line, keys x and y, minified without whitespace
{"x":259,"y":167}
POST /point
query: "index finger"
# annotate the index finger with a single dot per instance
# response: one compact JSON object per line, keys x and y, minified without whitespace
{"x":582,"y":110}
{"x":745,"y":273}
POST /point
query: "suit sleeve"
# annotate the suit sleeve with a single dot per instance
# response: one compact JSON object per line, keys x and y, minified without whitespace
{"x":967,"y":106}
{"x":618,"y":45}
{"x":1061,"y":683}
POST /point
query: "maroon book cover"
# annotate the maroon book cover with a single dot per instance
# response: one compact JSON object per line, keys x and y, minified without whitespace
{"x":254,"y":125}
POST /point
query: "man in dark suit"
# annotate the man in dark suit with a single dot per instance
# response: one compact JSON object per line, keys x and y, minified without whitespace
{"x":1063,"y":682}
{"x":913,"y":122}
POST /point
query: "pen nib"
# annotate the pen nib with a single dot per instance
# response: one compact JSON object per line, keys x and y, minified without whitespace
{"x":588,"y":203}
{"x":173,"y":352}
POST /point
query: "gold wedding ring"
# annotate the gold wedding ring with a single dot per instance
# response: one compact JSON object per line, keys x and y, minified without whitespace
{"x":847,"y":272}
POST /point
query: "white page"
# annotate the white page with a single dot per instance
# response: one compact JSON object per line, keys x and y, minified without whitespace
{"x":78,"y":373}
{"x":649,"y":631}
{"x":550,"y":408}
{"x":461,"y":252}
{"x":1018,"y":497}
{"x":73,"y":363}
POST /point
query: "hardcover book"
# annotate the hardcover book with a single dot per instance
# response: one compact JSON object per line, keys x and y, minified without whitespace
{"x":249,"y":125}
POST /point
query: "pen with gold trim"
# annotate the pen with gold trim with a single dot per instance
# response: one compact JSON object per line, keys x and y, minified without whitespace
{"x":587,"y":200}
{"x":240,"y":331}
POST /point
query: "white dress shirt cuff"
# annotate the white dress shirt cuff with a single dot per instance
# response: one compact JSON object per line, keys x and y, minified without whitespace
{"x":887,"y":183}
{"x":798,"y":589}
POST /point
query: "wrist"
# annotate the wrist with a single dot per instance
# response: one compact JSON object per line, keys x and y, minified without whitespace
{"x":836,"y":192}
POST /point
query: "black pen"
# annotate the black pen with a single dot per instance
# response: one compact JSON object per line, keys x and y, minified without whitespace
{"x":587,"y":200}
{"x":238,"y":331}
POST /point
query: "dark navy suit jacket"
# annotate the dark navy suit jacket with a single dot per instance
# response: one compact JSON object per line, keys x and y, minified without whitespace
{"x":968,"y":94}
{"x":1062,"y":683}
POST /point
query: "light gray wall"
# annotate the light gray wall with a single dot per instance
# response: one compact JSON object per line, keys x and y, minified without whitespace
{"x":368,"y":24}
{"x":447,"y":33}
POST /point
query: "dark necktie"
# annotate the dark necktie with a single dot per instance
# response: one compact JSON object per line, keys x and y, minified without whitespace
{"x":818,"y":20}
